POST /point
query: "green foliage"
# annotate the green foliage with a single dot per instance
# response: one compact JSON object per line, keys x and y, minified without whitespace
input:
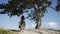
{"x":16,"y":7}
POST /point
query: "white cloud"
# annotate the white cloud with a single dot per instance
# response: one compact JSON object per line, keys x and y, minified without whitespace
{"x":52,"y":24}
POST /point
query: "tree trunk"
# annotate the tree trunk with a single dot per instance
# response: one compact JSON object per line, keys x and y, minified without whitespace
{"x":38,"y":16}
{"x":38,"y":20}
{"x":38,"y":23}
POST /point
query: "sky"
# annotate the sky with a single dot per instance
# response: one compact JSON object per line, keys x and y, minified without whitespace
{"x":51,"y":19}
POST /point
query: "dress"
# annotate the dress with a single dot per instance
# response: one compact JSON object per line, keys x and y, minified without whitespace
{"x":22,"y":24}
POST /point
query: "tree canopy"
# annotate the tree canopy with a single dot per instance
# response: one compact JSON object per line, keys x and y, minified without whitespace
{"x":18,"y":7}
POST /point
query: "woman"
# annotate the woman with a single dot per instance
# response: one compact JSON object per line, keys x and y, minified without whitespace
{"x":22,"y":23}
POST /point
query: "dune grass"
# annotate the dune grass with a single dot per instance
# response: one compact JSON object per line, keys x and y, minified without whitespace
{"x":3,"y":31}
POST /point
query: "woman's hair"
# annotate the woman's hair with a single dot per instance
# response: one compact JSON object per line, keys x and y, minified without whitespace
{"x":22,"y":17}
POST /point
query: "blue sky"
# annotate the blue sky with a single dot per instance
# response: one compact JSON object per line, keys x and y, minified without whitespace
{"x":51,"y":19}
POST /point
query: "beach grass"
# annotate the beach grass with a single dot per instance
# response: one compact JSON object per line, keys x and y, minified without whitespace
{"x":4,"y":31}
